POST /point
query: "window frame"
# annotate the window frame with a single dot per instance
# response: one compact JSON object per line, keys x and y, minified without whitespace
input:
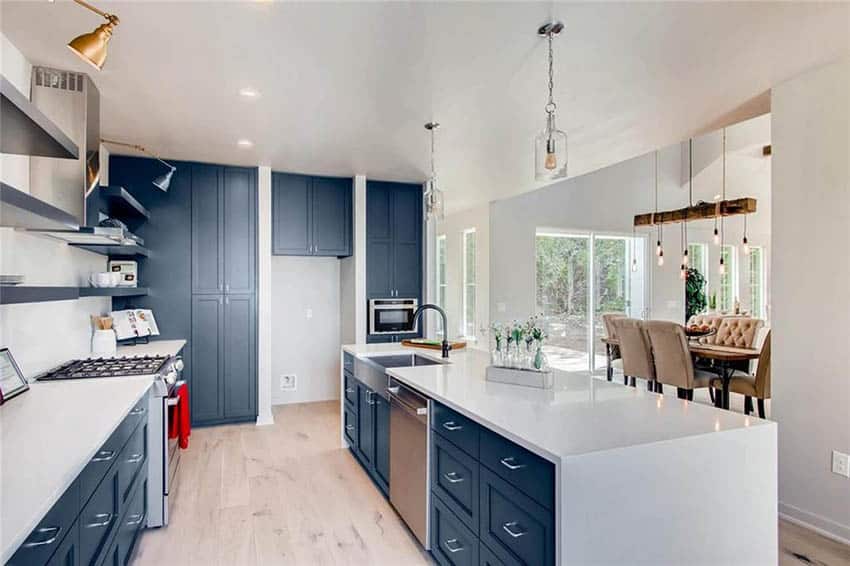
{"x":469,"y":234}
{"x":762,"y":303}
{"x":732,"y":274}
{"x":441,"y":283}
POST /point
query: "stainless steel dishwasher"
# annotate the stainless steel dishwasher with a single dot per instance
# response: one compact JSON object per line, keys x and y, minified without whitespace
{"x":409,"y":457}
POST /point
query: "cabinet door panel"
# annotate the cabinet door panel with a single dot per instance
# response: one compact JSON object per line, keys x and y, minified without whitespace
{"x":331,"y":214}
{"x":407,"y":272}
{"x":407,"y":231}
{"x":99,"y":518}
{"x":379,"y":268}
{"x":240,"y":230}
{"x":291,"y":233}
{"x":379,"y":211}
{"x":239,"y":367}
{"x":407,"y":214}
{"x":382,"y":440}
{"x":207,"y":236}
{"x":207,"y":329}
{"x":365,"y":425}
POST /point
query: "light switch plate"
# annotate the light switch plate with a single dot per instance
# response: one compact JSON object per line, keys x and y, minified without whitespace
{"x":288,"y":382}
{"x":841,"y":463}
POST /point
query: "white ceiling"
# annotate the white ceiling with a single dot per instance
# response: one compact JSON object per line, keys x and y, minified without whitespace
{"x":345,"y":88}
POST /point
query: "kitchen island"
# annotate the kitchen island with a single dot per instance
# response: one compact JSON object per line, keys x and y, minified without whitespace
{"x":638,"y":477}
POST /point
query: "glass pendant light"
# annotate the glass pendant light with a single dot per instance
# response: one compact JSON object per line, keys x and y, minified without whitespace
{"x":550,"y":145}
{"x":435,"y":206}
{"x":746,"y":243}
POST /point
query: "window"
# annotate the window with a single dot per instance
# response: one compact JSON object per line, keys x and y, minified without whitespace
{"x":698,"y":258}
{"x":755,"y":264}
{"x":469,"y":283}
{"x":728,"y":289}
{"x":441,"y":277}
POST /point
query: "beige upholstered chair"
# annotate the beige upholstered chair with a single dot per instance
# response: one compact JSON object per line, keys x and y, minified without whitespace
{"x":750,"y":386}
{"x":673,"y":363}
{"x":635,"y":350}
{"x":738,"y":332}
{"x":615,"y":359}
{"x":713,"y":322}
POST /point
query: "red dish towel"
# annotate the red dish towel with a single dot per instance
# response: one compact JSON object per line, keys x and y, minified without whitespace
{"x":179,"y":423}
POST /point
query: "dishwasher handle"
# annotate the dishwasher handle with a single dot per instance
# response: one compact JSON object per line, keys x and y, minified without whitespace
{"x":397,"y":395}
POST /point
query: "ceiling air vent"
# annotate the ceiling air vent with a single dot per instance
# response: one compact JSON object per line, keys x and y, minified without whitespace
{"x":54,"y":78}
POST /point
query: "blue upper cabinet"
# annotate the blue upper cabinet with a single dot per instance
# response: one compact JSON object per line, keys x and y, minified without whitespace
{"x":311,"y":215}
{"x":207,"y":237}
{"x":240,"y":229}
{"x":393,"y":240}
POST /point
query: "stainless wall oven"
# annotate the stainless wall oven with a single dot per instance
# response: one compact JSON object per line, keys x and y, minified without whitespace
{"x":392,"y":316}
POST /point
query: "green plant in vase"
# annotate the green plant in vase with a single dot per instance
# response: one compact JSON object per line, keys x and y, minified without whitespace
{"x":517,"y":332}
{"x":695,"y":299}
{"x":539,"y":336}
{"x":497,"y":358}
{"x":712,"y":301}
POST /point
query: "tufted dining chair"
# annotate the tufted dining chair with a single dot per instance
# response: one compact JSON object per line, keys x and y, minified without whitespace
{"x":752,"y":385}
{"x":615,"y":361}
{"x":673,"y":363}
{"x":738,"y":332}
{"x":711,"y":320}
{"x":635,"y":351}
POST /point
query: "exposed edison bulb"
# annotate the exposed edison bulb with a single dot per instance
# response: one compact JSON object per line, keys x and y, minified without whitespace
{"x":683,"y":272}
{"x":722,"y":269}
{"x":716,"y":236}
{"x":634,"y":265}
{"x":685,"y":258}
{"x":551,"y":161}
{"x":660,"y":257}
{"x":746,"y":246}
{"x":658,"y":249}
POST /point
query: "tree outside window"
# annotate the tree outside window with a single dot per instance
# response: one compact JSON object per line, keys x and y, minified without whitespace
{"x":469,"y":280}
{"x":441,"y":278}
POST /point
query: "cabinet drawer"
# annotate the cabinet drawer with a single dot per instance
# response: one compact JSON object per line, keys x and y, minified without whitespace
{"x":40,"y":545}
{"x":457,"y":428}
{"x":68,"y":553}
{"x":452,"y":544}
{"x":99,"y":518}
{"x":133,"y":457}
{"x":350,"y":425}
{"x":515,"y":528}
{"x":524,"y":470}
{"x":486,"y":557}
{"x":350,"y":389}
{"x":132,"y":522}
{"x":109,"y":453}
{"x":454,"y":478}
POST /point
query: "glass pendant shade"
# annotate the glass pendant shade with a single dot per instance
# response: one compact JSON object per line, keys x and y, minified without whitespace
{"x":435,"y":208}
{"x":550,"y":152}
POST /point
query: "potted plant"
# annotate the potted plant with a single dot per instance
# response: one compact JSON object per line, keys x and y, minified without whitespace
{"x":695,"y":300}
{"x":712,"y":302}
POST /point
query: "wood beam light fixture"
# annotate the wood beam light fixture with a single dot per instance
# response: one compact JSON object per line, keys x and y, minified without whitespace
{"x":91,"y":47}
{"x":699,"y":211}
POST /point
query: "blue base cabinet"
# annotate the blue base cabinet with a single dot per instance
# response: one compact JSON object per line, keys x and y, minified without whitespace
{"x":104,"y":508}
{"x":492,"y":501}
{"x":311,"y":216}
{"x":367,"y":428}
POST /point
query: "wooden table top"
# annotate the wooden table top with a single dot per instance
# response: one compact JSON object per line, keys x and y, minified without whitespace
{"x":722,"y":353}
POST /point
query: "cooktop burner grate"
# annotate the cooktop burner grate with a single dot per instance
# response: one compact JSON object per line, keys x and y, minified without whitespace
{"x":106,"y":367}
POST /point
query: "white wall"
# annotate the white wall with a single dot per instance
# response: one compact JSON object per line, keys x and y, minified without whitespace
{"x":811,"y":315}
{"x":42,"y":335}
{"x":606,"y":200}
{"x":452,"y":227}
{"x":306,"y":347}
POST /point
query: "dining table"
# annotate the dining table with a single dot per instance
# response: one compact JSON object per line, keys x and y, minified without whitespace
{"x":725,"y":360}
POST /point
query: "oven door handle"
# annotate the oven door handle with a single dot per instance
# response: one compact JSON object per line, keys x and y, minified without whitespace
{"x":174,"y":399}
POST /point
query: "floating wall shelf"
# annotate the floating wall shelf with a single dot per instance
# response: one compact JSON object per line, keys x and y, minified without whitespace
{"x":121,"y":204}
{"x":116,"y":250}
{"x":16,"y":294}
{"x":22,"y":210}
{"x":113,"y":291}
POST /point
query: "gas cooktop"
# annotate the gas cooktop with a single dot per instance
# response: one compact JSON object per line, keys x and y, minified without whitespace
{"x":107,"y":367}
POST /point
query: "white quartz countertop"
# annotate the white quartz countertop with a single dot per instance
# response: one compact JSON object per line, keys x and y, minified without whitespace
{"x":48,"y":435}
{"x":581,"y":414}
{"x":152,"y":348}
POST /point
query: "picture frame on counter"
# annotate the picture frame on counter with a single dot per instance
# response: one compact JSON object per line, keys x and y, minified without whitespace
{"x":12,"y":381}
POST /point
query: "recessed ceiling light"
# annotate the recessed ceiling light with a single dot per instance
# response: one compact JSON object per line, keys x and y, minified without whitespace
{"x":245,"y":143}
{"x":248,"y":93}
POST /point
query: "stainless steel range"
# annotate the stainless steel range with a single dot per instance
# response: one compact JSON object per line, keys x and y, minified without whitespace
{"x":163,"y":453}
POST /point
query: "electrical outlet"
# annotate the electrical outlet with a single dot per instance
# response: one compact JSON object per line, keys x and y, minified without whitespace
{"x":288,"y":382}
{"x":841,"y":463}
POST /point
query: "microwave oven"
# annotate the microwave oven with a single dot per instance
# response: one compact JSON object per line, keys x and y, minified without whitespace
{"x":392,"y":316}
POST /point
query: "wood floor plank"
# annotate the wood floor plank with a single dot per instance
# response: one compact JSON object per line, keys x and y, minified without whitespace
{"x":286,"y":494}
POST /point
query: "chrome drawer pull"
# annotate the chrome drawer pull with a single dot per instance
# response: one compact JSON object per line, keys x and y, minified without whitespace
{"x":369,"y":400}
{"x":452,"y":545}
{"x":43,"y":531}
{"x":509,"y":463}
{"x":106,"y":518}
{"x":509,"y":528}
{"x":349,"y":390}
{"x":104,"y":456}
{"x":451,"y":426}
{"x":135,"y":458}
{"x":135,"y":519}
{"x":452,"y":477}
{"x":138,"y":411}
{"x":349,"y":427}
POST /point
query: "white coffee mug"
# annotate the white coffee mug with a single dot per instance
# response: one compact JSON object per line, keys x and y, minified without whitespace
{"x":103,"y":279}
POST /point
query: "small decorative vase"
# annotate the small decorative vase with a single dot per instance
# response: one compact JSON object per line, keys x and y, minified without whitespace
{"x":540,"y":362}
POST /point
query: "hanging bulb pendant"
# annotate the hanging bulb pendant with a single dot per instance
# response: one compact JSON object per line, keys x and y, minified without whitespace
{"x":550,"y":145}
{"x":685,"y":260}
{"x":716,"y":234}
{"x":658,"y":249}
{"x":683,"y":273}
{"x":722,"y":269}
{"x":660,"y":258}
{"x":634,"y":265}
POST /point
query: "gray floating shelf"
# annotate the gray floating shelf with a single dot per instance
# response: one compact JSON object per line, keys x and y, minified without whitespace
{"x":22,"y":210}
{"x":113,"y":291}
{"x":116,"y":250}
{"x":121,"y":204}
{"x":10,"y":295}
{"x":26,"y":129}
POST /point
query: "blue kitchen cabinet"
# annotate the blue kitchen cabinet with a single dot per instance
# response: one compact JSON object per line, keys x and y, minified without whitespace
{"x":239,"y":227}
{"x":311,"y":216}
{"x":407,"y":240}
{"x":240,"y":395}
{"x":207,"y":235}
{"x":207,"y":358}
{"x":382,"y":441}
{"x":365,"y":426}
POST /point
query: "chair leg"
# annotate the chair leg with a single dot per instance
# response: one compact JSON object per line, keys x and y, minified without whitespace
{"x":761,"y":409}
{"x":659,"y":387}
{"x":650,"y":385}
{"x":711,"y":393}
{"x":748,"y":405}
{"x":634,"y":381}
{"x":690,"y":395}
{"x":625,"y":379}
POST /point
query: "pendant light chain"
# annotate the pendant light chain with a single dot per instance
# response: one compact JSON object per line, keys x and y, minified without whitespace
{"x":550,"y":105}
{"x":433,"y":170}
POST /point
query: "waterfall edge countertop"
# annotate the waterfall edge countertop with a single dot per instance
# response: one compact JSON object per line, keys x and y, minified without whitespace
{"x":580,"y":415}
{"x":48,"y":435}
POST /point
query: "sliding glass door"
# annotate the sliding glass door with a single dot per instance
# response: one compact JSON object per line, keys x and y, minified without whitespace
{"x":580,"y":277}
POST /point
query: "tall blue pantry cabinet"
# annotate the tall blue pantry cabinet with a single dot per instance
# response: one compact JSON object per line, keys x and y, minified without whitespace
{"x":202,"y":276}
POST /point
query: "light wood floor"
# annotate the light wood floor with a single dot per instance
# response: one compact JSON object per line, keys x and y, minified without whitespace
{"x":287,"y":494}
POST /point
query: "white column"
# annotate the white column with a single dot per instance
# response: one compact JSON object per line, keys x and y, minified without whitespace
{"x":360,"y":258}
{"x":264,"y":275}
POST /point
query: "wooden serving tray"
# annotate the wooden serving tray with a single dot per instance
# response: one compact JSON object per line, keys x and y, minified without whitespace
{"x":431,"y":345}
